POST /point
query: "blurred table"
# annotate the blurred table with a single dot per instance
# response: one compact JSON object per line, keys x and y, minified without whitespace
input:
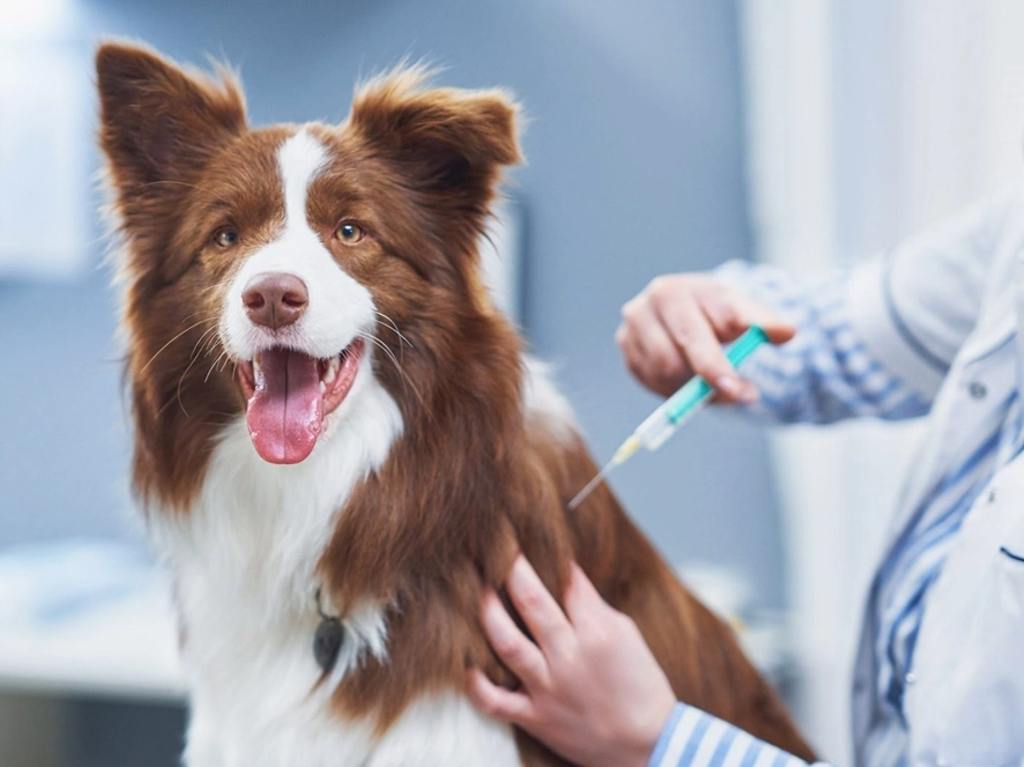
{"x":87,"y":617}
{"x":84,"y":625}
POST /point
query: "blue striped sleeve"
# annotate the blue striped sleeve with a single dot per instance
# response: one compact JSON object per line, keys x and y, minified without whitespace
{"x":826,"y":373}
{"x":693,"y":738}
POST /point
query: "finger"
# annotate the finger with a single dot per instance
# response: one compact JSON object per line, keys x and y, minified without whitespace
{"x":691,"y":331}
{"x":656,"y":360}
{"x":581,"y":597}
{"x":663,"y":366}
{"x":515,"y":649}
{"x":732,"y":313}
{"x":776,"y":327}
{"x":627,"y":345}
{"x":640,"y":367}
{"x":727,"y":317}
{"x":497,"y":702}
{"x":539,"y":610}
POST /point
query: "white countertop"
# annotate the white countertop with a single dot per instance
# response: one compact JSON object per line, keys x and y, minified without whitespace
{"x":94,"y":618}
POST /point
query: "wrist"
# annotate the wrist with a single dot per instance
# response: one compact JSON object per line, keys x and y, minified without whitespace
{"x":652,"y":746}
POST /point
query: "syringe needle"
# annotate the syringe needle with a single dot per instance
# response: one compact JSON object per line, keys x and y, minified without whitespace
{"x":623,"y":454}
{"x":589,"y":487}
{"x":582,"y":494}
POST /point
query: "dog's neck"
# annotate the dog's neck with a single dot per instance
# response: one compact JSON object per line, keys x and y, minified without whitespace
{"x":420,"y":467}
{"x":260,"y":528}
{"x":440,"y":494}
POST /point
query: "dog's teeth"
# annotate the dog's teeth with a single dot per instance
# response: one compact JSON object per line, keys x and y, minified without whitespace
{"x":257,"y":372}
{"x":323,"y":388}
{"x":332,"y":370}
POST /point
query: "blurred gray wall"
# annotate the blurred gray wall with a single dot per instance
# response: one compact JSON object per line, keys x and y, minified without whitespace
{"x":635,"y":168}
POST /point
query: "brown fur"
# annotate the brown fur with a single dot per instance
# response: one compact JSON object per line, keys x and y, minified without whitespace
{"x":471,"y":480}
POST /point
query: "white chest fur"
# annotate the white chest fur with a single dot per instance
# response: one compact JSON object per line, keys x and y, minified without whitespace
{"x":244,"y":561}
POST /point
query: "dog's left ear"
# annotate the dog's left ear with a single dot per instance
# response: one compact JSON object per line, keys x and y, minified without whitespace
{"x":451,"y":144}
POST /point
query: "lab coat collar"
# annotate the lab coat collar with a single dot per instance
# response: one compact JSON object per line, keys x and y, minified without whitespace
{"x":998,"y":328}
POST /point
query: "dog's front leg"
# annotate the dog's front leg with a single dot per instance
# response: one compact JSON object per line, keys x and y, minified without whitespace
{"x":202,"y":747}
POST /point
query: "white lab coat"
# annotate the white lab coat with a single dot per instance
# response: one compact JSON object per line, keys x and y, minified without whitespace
{"x":944,"y":312}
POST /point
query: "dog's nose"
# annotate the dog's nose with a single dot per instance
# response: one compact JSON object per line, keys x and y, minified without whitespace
{"x":275,"y":299}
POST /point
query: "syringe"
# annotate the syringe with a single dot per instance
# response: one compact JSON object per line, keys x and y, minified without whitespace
{"x":673,"y":412}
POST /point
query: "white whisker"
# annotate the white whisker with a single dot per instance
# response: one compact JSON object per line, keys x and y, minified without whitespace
{"x":175,"y":338}
{"x":394,"y":326}
{"x":406,"y":379}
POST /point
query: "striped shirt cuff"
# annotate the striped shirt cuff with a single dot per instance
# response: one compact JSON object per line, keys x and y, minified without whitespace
{"x":876,"y":318}
{"x":692,"y":738}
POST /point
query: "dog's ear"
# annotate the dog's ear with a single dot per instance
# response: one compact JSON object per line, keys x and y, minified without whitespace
{"x":450,"y":144}
{"x":159,"y":125}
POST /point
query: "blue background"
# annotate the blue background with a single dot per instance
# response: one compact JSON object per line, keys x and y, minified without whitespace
{"x":635,"y":168}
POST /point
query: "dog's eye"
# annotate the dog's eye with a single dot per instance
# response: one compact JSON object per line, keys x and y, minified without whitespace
{"x":225,"y":237}
{"x":350,"y":233}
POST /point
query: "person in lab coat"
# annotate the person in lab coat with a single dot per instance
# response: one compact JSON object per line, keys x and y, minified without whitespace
{"x":933,"y":329}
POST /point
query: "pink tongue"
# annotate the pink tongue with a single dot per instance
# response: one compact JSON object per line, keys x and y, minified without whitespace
{"x":286,"y":411}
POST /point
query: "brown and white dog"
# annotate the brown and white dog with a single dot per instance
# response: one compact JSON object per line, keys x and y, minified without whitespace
{"x":331,"y":417}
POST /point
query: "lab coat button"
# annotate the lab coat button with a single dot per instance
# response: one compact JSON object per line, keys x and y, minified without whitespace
{"x":910,"y":678}
{"x":977,"y":390}
{"x":992,"y":495}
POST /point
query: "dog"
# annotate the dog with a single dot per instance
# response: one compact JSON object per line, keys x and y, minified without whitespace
{"x":338,"y":440}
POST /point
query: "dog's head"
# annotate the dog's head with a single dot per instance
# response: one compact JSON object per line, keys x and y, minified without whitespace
{"x":271,"y":270}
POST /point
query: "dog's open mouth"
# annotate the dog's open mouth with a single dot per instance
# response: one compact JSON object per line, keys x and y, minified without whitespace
{"x":289,"y":394}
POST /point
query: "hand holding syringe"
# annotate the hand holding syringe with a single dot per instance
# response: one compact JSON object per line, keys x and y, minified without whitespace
{"x":673,"y":412}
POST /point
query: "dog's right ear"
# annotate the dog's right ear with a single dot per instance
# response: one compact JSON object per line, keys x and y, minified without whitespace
{"x":159,"y":125}
{"x":158,"y":121}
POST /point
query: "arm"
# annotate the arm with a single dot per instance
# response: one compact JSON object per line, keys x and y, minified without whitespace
{"x":875,"y":341}
{"x":591,"y":689}
{"x":823,"y":372}
{"x":827,"y":372}
{"x":915,"y":307}
{"x":693,"y":738}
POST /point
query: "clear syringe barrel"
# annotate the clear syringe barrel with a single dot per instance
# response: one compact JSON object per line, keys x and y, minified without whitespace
{"x":688,"y":400}
{"x":673,"y":412}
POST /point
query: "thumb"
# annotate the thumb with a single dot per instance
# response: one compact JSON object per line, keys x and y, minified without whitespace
{"x":775,"y":326}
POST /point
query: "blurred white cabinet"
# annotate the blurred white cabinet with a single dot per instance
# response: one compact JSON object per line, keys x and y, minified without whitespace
{"x":45,"y":136}
{"x":866,"y":122}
